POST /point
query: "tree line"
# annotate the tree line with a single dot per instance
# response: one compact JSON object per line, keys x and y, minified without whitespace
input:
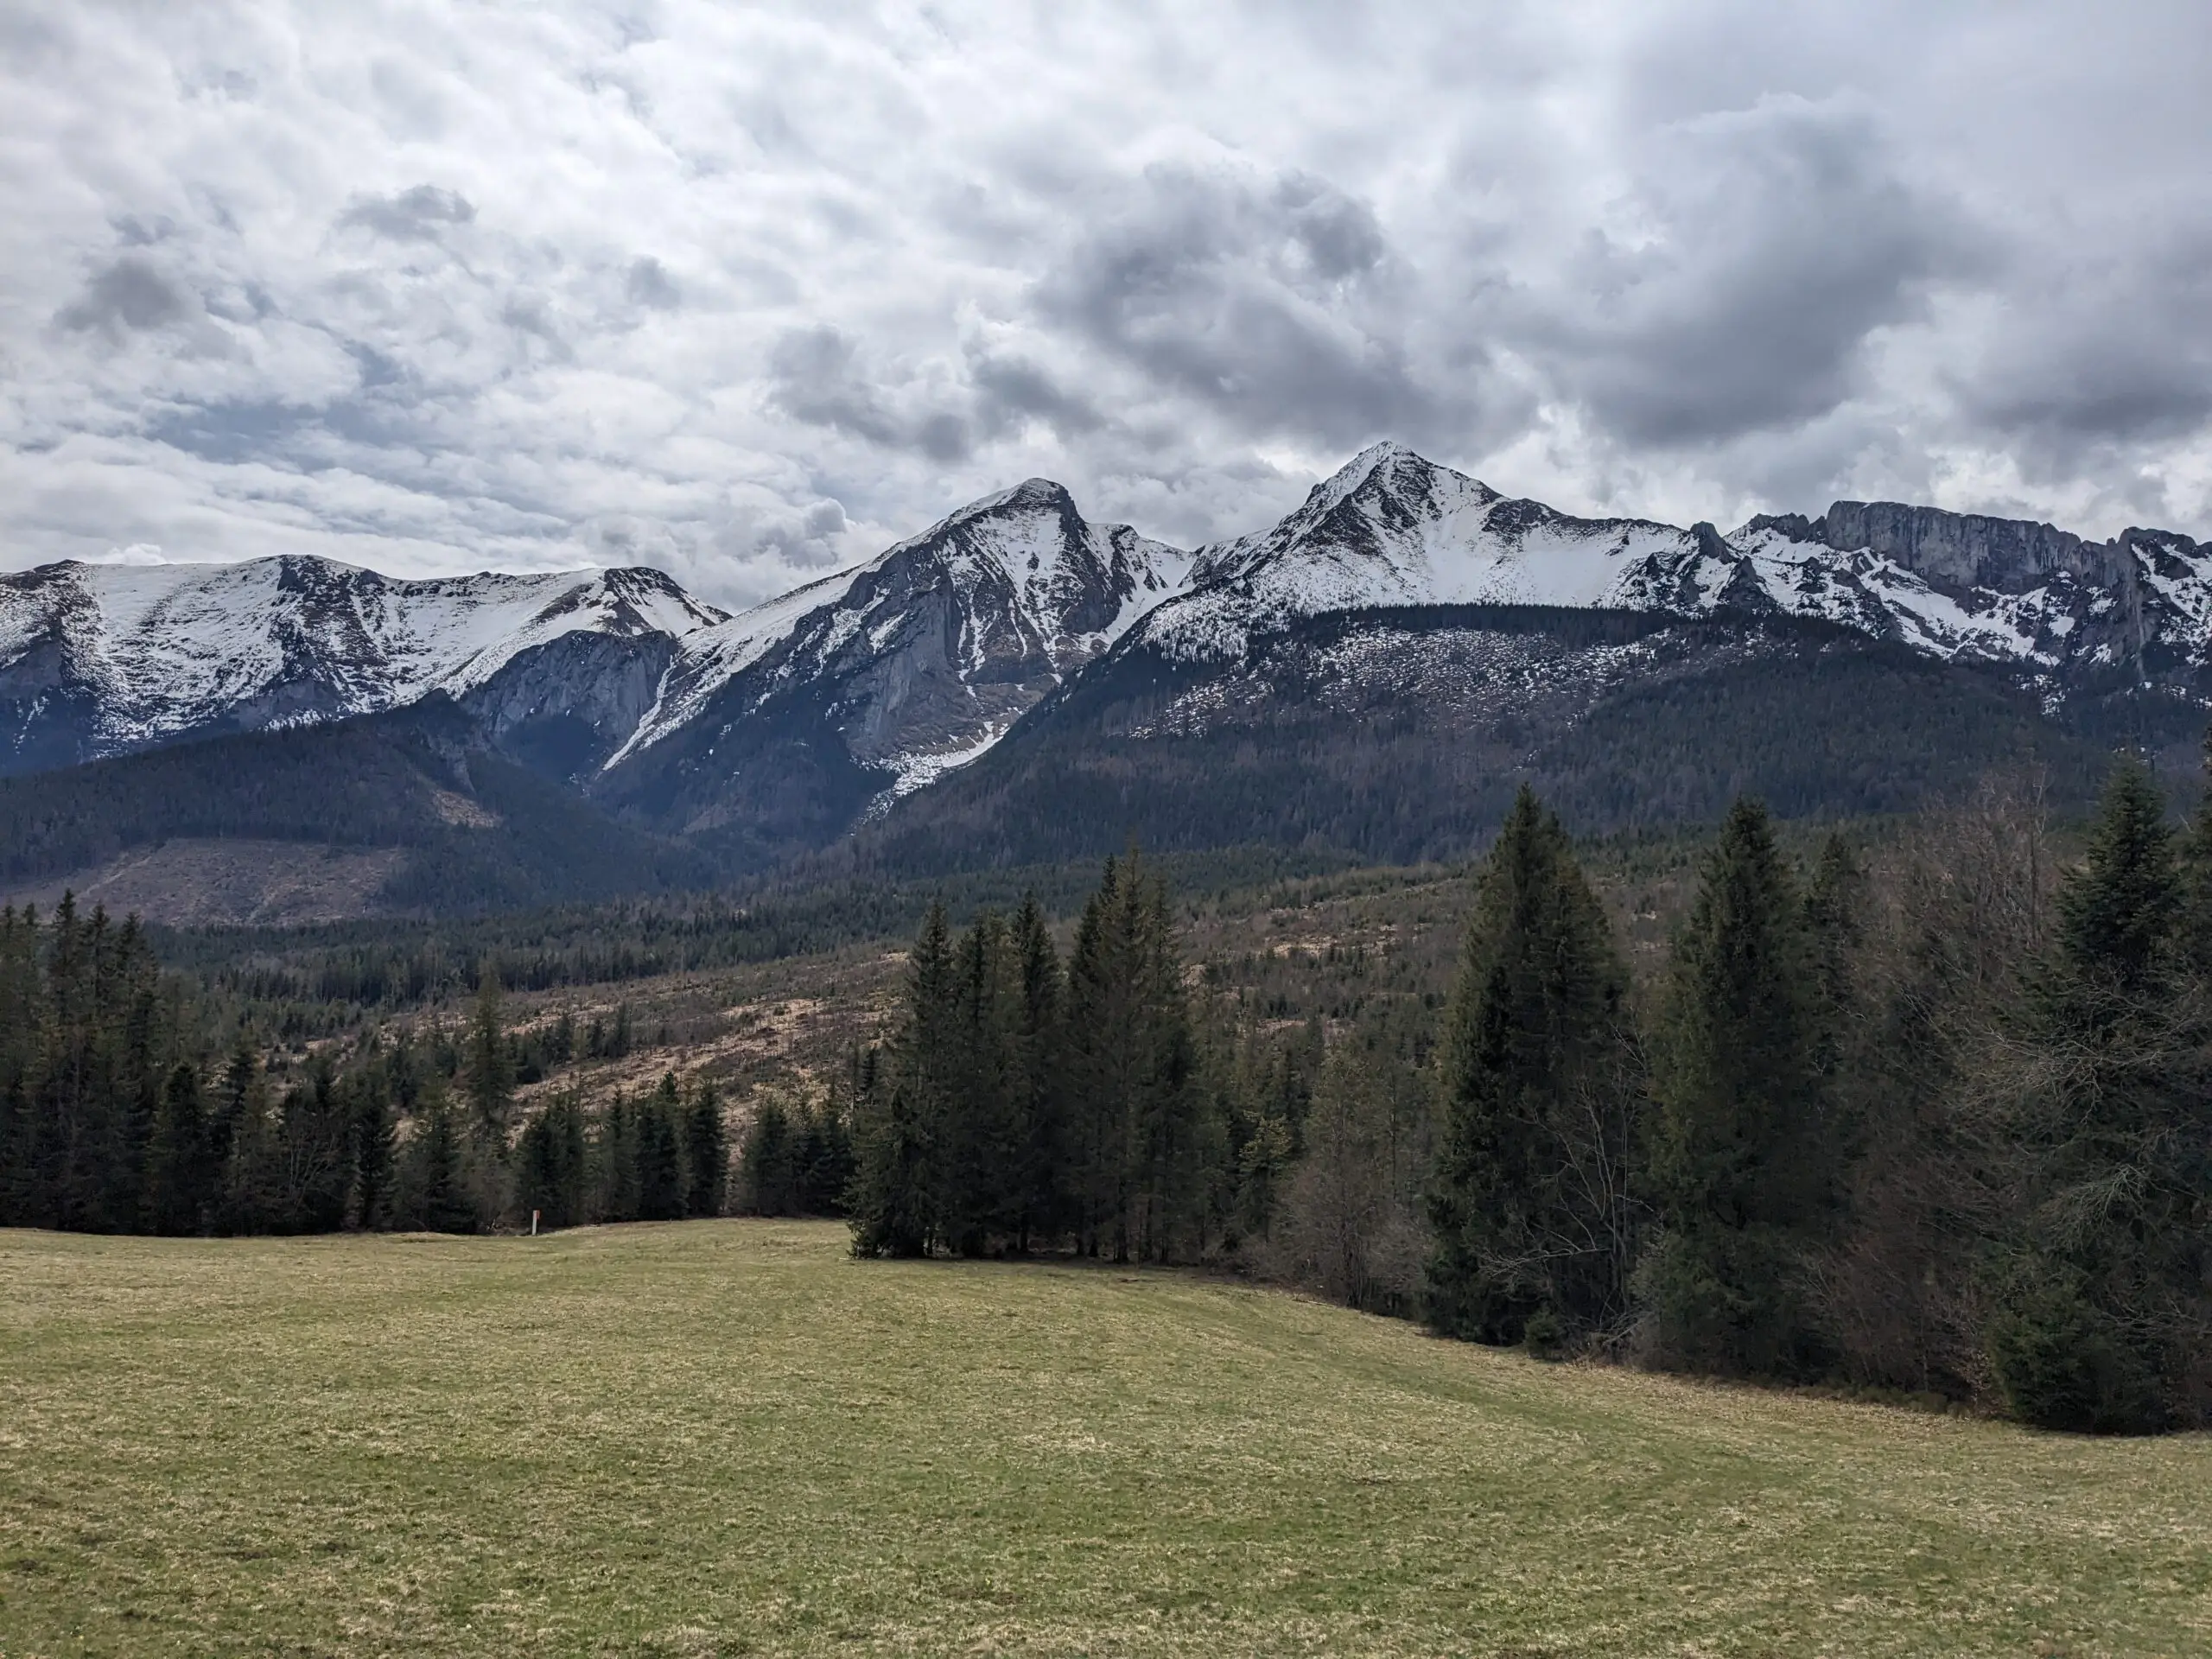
{"x":117,"y":1114}
{"x":1939,"y":1123}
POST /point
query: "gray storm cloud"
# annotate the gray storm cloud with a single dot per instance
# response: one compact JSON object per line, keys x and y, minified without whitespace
{"x":747,"y":291}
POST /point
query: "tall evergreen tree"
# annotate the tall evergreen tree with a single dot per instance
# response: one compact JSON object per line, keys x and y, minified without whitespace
{"x":2103,"y":1288}
{"x":1040,"y":1204}
{"x":706,"y":1153}
{"x":615,"y":1162}
{"x":181,"y":1173}
{"x":549,"y":1165}
{"x":983,"y":1135}
{"x":1743,"y":1162}
{"x":432,"y":1190}
{"x":1134,"y":1111}
{"x":1835,"y":904}
{"x":369,"y":1139}
{"x":1530,"y":1205}
{"x":771,"y":1181}
{"x":253,"y":1168}
{"x":660,"y":1154}
{"x":897,"y":1189}
{"x":490,"y":1067}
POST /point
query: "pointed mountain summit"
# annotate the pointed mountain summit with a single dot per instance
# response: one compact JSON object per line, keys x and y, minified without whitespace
{"x":1395,"y":529}
{"x":798,"y":713}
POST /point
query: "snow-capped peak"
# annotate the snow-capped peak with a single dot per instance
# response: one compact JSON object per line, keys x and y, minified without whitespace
{"x":1016,"y":588}
{"x":1392,"y":529}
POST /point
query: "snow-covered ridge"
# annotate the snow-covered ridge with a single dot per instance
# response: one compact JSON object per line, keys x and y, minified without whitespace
{"x":919,"y":660}
{"x":162,"y":650}
{"x":1392,"y":529}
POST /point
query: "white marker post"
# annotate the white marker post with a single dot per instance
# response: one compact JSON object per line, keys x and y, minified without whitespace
{"x":533,"y":1224}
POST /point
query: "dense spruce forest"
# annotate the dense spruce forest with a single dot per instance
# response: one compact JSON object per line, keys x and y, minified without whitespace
{"x":1921,"y":1113}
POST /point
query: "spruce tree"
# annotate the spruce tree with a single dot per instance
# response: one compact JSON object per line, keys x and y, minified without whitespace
{"x":550,"y":1166}
{"x":1137,"y":1168}
{"x":180,"y":1183}
{"x":433,"y":1192}
{"x":2193,"y":881}
{"x":660,"y":1154}
{"x":614,"y":1160}
{"x":368,"y":1198}
{"x":706,"y":1153}
{"x":770,"y":1183}
{"x":490,"y":1068}
{"x":252,"y":1201}
{"x":983,"y":1133}
{"x":2102,"y":1290}
{"x":1040,"y":1204}
{"x":1835,"y":901}
{"x":823,"y":1160}
{"x":1529,"y":1206}
{"x":1742,"y":1159}
{"x":898,"y":1206}
{"x":21,"y":1196}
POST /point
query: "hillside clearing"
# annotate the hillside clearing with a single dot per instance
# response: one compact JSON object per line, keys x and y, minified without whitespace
{"x":727,"y":1437}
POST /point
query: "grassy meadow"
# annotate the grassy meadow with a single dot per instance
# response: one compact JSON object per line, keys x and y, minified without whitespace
{"x":727,"y":1437}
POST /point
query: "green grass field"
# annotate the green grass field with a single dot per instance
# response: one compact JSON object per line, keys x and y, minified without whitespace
{"x":727,"y":1437}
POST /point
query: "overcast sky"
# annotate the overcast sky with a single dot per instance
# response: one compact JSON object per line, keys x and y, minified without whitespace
{"x":750,"y":291}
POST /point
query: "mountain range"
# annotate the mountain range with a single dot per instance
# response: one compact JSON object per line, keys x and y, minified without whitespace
{"x":1018,"y":684}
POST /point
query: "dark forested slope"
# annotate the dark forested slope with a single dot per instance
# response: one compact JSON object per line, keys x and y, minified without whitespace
{"x":479,"y":832}
{"x":1401,"y":735}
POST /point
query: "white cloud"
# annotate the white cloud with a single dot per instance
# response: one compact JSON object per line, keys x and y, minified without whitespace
{"x":749,"y":292}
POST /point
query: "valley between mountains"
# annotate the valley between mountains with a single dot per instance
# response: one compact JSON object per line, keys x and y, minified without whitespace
{"x":291,"y":739}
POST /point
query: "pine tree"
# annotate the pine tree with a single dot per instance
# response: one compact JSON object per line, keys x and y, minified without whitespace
{"x":369,"y":1140}
{"x":23,"y":1198}
{"x":614,"y":1159}
{"x":1835,"y":902}
{"x":1529,"y":1206}
{"x":1743,"y":1165}
{"x":252,"y":1174}
{"x":822,"y":1161}
{"x":1040,"y":1205}
{"x":314,"y":1154}
{"x":2116,"y":920}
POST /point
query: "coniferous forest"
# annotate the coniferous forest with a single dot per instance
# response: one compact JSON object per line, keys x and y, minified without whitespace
{"x":1930,"y":1114}
{"x":1947,"y":1133}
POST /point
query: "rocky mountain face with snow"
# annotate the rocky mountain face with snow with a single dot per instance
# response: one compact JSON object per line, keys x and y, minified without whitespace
{"x":1407,"y":634}
{"x":784,"y":725}
{"x":2062,"y":614}
{"x":98,"y":660}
